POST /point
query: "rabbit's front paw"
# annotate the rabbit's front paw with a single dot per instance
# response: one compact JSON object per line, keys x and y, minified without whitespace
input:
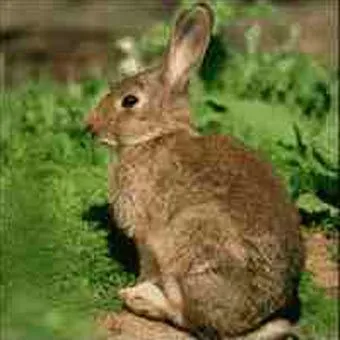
{"x":148,"y":300}
{"x":145,"y":299}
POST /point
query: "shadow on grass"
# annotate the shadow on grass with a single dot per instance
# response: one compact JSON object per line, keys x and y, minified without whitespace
{"x":120,"y":247}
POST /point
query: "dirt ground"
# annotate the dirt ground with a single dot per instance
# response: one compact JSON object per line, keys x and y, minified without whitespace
{"x":319,"y":262}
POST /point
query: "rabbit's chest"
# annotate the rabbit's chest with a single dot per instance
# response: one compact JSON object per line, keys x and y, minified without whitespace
{"x":127,"y":212}
{"x":136,"y":206}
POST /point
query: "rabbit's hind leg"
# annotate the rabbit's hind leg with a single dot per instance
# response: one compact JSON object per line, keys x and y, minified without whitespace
{"x":274,"y":330}
{"x":147,"y":299}
{"x":278,"y":329}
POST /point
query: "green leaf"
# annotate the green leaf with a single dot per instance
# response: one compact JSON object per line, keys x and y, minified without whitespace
{"x":312,"y":204}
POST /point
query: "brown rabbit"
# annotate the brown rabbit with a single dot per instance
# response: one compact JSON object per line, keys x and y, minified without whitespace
{"x":219,"y":243}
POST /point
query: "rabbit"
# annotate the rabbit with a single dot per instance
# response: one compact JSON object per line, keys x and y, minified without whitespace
{"x":218,"y":238}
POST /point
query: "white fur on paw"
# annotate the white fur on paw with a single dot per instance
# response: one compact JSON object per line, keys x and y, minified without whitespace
{"x":145,"y":299}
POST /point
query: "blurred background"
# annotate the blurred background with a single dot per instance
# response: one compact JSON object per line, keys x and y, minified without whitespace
{"x":270,"y":78}
{"x":73,"y":39}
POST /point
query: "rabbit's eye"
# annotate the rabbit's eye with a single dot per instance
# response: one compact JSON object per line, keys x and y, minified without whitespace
{"x":129,"y":101}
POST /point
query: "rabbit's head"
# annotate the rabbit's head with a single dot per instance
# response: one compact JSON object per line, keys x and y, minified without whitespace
{"x":155,"y":102}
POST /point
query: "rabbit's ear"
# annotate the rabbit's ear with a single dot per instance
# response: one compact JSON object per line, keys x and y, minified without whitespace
{"x":188,"y":43}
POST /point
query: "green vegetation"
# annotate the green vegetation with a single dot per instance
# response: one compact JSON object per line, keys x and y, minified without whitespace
{"x":320,"y":314}
{"x":54,"y":252}
{"x":56,"y":272}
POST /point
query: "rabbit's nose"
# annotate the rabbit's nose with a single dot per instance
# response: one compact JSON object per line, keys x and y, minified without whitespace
{"x":94,"y":123}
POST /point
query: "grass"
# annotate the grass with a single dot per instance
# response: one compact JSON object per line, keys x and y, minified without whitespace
{"x":55,"y":264}
{"x":320,"y":317}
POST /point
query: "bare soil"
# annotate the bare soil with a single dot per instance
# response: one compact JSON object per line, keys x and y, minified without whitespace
{"x":324,"y":270}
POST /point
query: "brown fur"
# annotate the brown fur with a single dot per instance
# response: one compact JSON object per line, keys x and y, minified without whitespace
{"x":218,"y":239}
